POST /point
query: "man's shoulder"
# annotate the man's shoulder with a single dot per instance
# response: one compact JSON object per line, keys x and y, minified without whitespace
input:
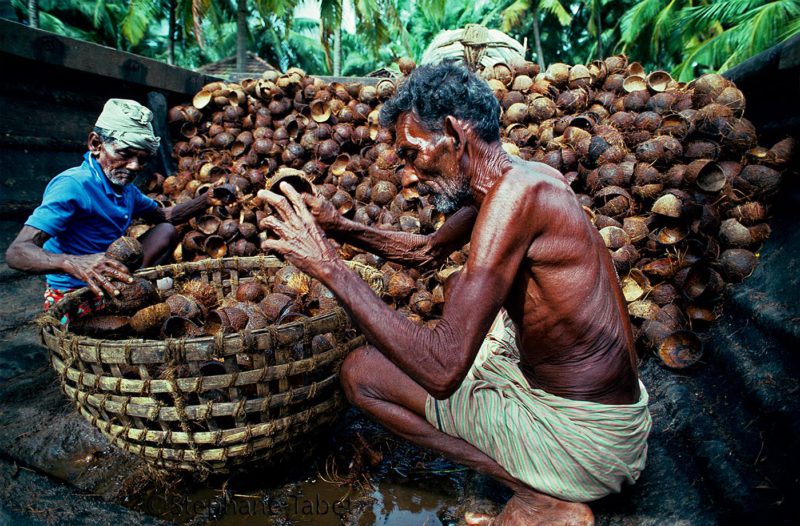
{"x":531,"y":180}
{"x":70,"y":180}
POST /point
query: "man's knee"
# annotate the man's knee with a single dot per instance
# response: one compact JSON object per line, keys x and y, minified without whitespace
{"x":354,"y":374}
{"x":167,"y":231}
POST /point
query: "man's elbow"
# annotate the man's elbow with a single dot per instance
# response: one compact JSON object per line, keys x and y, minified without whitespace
{"x":14,"y":258}
{"x":445,"y":386}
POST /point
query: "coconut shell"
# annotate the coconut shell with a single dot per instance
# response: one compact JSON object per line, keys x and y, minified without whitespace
{"x":634,"y":285}
{"x":749,"y":213}
{"x":273,"y":305}
{"x":758,"y":180}
{"x":400,"y":285}
{"x":636,"y":227}
{"x":133,"y":296}
{"x":737,"y":264}
{"x":225,"y":320}
{"x":150,"y":319}
{"x":668,"y":205}
{"x":184,"y":306}
{"x":734,"y":234}
{"x":624,"y":258}
{"x":102,"y":326}
{"x":180,"y":327}
{"x":421,"y":302}
{"x":614,"y":237}
{"x":250,"y":291}
{"x":204,"y":293}
{"x":128,"y":251}
{"x":643,"y":309}
{"x":680,"y":350}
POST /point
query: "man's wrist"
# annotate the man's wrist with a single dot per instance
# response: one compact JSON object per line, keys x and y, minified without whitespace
{"x":330,"y":269}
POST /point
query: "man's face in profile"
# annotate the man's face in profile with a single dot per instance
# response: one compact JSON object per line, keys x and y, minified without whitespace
{"x":430,"y":158}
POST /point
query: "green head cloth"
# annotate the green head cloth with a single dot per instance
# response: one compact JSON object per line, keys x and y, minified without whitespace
{"x":129,"y":123}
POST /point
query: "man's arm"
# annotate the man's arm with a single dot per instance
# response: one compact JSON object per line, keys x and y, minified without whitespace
{"x":400,"y":247}
{"x":26,"y":254}
{"x":437,"y":359}
{"x":179,"y":214}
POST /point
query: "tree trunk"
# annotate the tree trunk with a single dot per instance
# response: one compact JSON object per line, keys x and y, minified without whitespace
{"x":171,"y":36}
{"x":241,"y":35}
{"x":538,"y":40}
{"x":599,"y":27}
{"x":33,"y":13}
{"x":337,"y":51}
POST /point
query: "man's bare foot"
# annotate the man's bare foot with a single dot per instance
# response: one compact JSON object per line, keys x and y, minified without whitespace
{"x":536,"y":510}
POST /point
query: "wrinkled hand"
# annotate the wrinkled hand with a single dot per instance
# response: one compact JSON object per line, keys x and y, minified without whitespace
{"x":95,"y":270}
{"x":302,"y":241}
{"x":326,"y":215}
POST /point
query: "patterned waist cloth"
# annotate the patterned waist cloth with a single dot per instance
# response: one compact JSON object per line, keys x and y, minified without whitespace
{"x":88,"y":306}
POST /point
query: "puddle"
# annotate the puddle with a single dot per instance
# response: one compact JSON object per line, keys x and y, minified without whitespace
{"x":399,"y":505}
{"x":310,"y":502}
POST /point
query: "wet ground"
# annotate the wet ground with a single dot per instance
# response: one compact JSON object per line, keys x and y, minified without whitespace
{"x":722,"y":451}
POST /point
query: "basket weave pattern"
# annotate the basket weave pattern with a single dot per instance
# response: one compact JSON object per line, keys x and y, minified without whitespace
{"x":208,"y":403}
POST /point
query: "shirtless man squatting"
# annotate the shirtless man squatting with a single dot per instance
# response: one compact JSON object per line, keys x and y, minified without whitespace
{"x":530,"y":376}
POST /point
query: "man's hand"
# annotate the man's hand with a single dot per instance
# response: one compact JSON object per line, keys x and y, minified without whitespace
{"x":326,"y":215}
{"x":302,"y":241}
{"x":95,"y":270}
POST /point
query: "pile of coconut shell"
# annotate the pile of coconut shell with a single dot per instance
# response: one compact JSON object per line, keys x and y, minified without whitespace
{"x":670,"y":174}
{"x":193,"y":307}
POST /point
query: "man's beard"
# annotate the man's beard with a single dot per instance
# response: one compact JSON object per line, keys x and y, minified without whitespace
{"x":451,"y":198}
{"x":120,"y":180}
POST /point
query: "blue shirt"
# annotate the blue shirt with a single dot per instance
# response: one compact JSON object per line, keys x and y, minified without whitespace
{"x":83,"y":214}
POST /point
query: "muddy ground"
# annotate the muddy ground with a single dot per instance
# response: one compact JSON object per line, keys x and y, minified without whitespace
{"x":716,"y":455}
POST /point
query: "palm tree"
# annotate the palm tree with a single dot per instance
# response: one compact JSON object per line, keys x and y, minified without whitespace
{"x":514,"y":16}
{"x":732,"y":30}
{"x":378,"y":22}
{"x":33,"y":13}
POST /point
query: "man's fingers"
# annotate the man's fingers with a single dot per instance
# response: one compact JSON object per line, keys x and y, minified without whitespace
{"x":276,"y":226}
{"x":275,"y":245}
{"x":277,"y":202}
{"x":119,"y":271}
{"x":297,"y":201}
{"x":102,"y":283}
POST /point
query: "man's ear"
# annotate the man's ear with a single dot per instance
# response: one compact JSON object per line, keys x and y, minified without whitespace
{"x":455,"y":130}
{"x":94,"y":143}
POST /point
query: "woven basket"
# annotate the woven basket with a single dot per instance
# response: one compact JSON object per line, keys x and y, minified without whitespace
{"x":208,"y":404}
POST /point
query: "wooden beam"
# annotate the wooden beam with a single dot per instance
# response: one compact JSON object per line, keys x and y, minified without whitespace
{"x":50,"y":48}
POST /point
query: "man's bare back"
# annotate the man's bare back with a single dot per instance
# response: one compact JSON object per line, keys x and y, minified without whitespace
{"x":534,"y":253}
{"x":574,"y":334}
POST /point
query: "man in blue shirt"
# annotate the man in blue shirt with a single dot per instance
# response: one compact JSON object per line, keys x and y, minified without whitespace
{"x":86,"y":208}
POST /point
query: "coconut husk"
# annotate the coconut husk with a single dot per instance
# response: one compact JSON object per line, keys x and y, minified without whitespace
{"x":150,"y":319}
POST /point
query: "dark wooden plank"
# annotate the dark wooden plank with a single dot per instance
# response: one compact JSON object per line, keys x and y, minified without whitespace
{"x":56,"y":50}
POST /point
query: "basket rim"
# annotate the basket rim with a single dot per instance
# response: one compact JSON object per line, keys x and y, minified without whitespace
{"x":49,"y":321}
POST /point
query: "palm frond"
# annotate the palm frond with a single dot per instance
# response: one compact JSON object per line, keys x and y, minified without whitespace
{"x":555,"y":8}
{"x":699,"y":18}
{"x":512,"y":15}
{"x":637,"y":18}
{"x":791,"y":30}
{"x":137,"y":19}
{"x":663,"y":25}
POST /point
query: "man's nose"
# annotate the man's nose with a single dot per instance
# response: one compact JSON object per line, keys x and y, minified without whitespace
{"x":134,"y":165}
{"x":408,"y":177}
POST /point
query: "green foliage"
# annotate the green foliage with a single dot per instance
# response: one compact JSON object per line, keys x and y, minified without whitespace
{"x":687,"y":37}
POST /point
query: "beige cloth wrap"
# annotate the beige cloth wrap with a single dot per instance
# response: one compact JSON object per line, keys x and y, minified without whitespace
{"x":129,"y":123}
{"x":574,"y":450}
{"x":474,"y":46}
